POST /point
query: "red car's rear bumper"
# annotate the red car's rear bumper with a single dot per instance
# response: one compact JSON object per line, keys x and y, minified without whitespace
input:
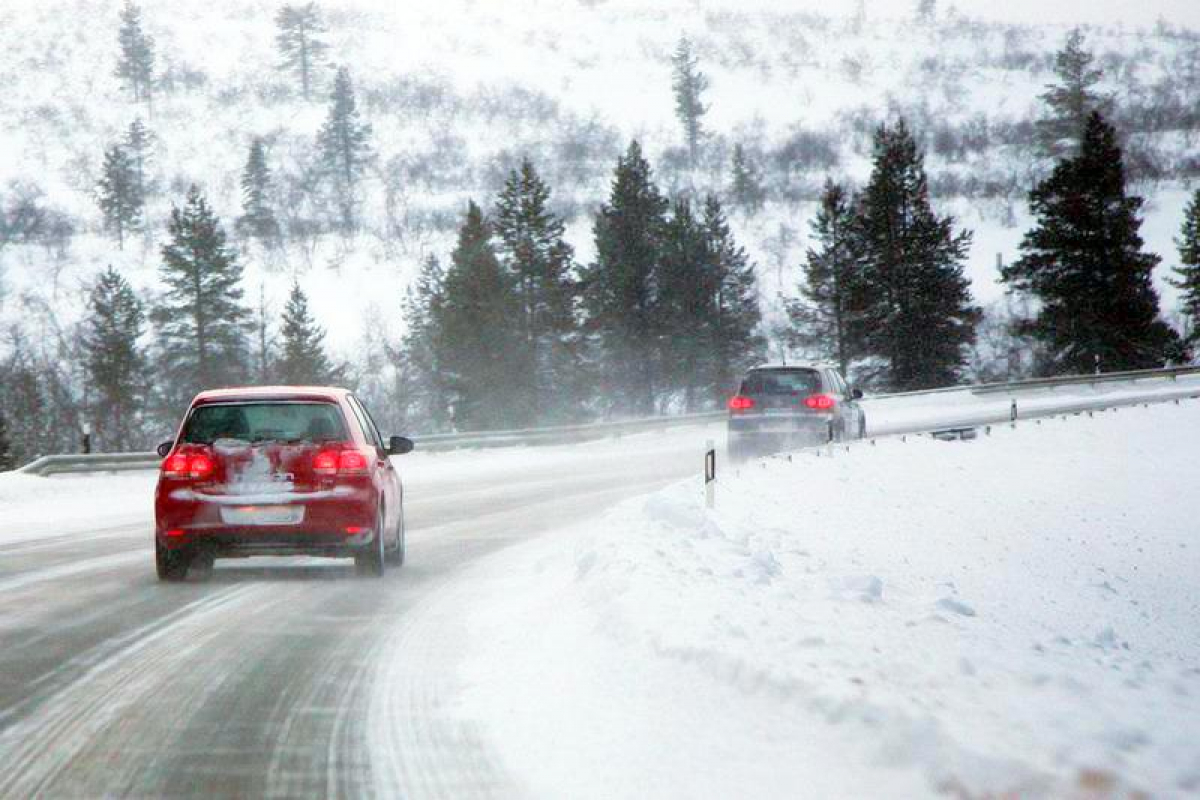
{"x":334,"y":522}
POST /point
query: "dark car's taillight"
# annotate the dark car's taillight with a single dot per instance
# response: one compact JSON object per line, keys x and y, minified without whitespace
{"x":740,"y":403}
{"x":820,"y":402}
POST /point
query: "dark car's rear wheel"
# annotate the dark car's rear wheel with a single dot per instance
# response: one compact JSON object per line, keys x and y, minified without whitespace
{"x":171,"y":565}
{"x":370,"y":559}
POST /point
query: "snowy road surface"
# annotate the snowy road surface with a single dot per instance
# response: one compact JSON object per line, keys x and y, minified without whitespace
{"x":262,"y":681}
{"x":1016,"y":613}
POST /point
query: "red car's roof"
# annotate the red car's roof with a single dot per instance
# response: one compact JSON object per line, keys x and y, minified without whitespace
{"x":270,"y":393}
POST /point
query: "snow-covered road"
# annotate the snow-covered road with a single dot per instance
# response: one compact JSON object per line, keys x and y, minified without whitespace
{"x":1016,"y":613}
{"x":263,"y":681}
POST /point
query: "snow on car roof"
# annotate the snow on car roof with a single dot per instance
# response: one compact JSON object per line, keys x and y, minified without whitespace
{"x":795,"y":365}
{"x":271,"y":392}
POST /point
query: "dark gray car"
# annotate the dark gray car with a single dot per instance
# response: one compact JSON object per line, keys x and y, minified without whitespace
{"x":783,"y":407}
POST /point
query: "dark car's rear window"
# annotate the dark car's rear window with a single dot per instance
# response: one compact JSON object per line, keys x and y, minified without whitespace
{"x":783,"y":382}
{"x":266,"y":421}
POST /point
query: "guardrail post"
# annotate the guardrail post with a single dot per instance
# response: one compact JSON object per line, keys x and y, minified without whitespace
{"x":710,"y":474}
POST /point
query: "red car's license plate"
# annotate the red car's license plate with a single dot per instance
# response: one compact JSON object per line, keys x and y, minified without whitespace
{"x":262,"y":515}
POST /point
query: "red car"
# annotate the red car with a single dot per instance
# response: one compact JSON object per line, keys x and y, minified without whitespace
{"x":285,"y":470}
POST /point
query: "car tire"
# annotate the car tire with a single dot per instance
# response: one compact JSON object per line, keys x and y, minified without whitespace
{"x":370,"y":560}
{"x":171,"y":565}
{"x":395,"y":556}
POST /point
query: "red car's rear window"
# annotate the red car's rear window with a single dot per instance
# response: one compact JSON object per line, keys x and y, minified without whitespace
{"x":265,"y":421}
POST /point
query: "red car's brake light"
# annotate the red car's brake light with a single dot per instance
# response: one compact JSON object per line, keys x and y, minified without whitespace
{"x":820,"y":402}
{"x":188,"y":465}
{"x":347,"y":461}
{"x":325,"y":462}
{"x":352,"y":461}
{"x":741,"y":403}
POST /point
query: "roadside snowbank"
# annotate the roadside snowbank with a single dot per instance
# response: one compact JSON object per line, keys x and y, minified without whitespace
{"x":1013,"y":614}
{"x":34,"y":507}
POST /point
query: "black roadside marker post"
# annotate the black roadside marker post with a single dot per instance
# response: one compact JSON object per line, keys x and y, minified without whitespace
{"x":710,"y":473}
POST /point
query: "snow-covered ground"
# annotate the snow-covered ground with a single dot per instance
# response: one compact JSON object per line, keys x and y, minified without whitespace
{"x":1016,"y":615}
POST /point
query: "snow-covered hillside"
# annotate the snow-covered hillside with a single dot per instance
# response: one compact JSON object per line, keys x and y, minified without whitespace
{"x":458,"y":91}
{"x":1011,"y":616}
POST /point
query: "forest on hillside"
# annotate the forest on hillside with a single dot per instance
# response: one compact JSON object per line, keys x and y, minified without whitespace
{"x":546,"y":264}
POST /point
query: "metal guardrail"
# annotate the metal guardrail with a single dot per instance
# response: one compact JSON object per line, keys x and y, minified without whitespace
{"x":566,"y":434}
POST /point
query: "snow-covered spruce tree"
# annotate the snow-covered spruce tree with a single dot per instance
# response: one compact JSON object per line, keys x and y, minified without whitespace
{"x":1085,"y":264}
{"x":745,"y":188}
{"x":820,"y":316}
{"x":620,"y":295}
{"x":686,"y":284}
{"x":689,"y":84}
{"x":300,"y":49}
{"x":1188,"y":281}
{"x":419,"y":358}
{"x":734,"y":316}
{"x":344,"y":151}
{"x":258,"y":217}
{"x":915,"y":313}
{"x":137,"y":144}
{"x":1072,"y":100}
{"x":119,"y":197}
{"x":477,"y":333}
{"x":114,"y":362}
{"x":135,"y":64}
{"x":262,"y":360}
{"x":302,"y":360}
{"x":200,"y":322}
{"x":7,"y":460}
{"x":541,"y":264}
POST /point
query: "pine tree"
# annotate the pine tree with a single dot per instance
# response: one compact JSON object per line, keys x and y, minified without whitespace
{"x":926,"y":11}
{"x":303,"y":361}
{"x":689,"y":84}
{"x":114,"y":360}
{"x":916,"y":314}
{"x":686,"y":286}
{"x":120,"y":200}
{"x":1072,"y":100}
{"x":620,"y":291}
{"x":821,"y":316}
{"x":479,"y":341}
{"x":733,"y":341}
{"x":258,"y":218}
{"x":301,"y":51}
{"x":746,"y":190}
{"x":1188,"y":281}
{"x":138,"y":140}
{"x":263,"y":362}
{"x":135,"y":66}
{"x":201,"y":323}
{"x":7,"y":460}
{"x":1084,"y":262}
{"x":540,"y":263}
{"x":345,"y":151}
{"x":422,"y":348}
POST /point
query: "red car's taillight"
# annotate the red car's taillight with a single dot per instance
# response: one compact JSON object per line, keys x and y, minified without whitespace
{"x":741,"y":403}
{"x":344,"y":462}
{"x":188,"y":465}
{"x":820,"y":402}
{"x":325,"y":462}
